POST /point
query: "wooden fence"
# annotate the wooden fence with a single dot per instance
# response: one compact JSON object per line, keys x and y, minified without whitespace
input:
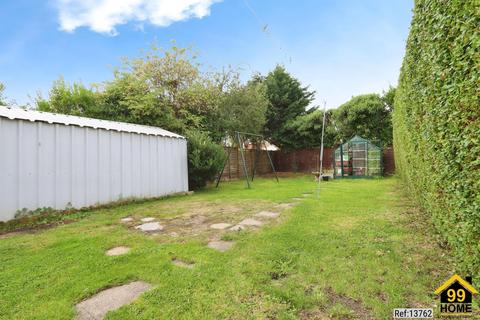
{"x":302,"y":160}
{"x":233,"y":167}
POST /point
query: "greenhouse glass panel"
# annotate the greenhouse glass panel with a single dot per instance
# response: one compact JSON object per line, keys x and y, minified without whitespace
{"x":358,"y":158}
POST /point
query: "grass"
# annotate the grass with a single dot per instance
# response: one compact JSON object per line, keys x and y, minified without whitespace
{"x":358,"y":252}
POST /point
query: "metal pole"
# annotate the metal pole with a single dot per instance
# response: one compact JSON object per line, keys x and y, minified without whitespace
{"x":240,"y":144}
{"x":320,"y":172}
{"x":223,"y":168}
{"x":255,"y":161}
{"x":341,"y":154}
{"x":270,"y":159}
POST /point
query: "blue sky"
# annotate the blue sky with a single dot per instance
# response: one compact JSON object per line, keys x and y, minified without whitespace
{"x":340,"y":48}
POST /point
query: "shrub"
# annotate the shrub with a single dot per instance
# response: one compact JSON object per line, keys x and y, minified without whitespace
{"x":437,"y":122}
{"x":205,"y":159}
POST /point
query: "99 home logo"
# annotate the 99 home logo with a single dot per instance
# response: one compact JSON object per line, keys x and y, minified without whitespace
{"x":456,"y":296}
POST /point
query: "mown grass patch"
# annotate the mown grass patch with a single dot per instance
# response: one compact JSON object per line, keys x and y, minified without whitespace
{"x":357,"y":252}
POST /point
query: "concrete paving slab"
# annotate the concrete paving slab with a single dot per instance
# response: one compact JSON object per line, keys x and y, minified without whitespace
{"x":251,"y":222}
{"x":97,"y":307}
{"x":267,"y":214}
{"x":127,"y":219}
{"x":237,"y":227}
{"x":148,"y":219}
{"x":117,"y":251}
{"x":220,"y":226}
{"x":150,"y":227}
{"x":221,"y":245}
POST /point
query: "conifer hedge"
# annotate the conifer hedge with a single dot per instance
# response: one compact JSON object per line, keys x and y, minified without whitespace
{"x":437,"y":121}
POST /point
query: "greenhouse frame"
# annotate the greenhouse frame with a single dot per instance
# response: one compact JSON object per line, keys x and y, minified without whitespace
{"x":358,"y":157}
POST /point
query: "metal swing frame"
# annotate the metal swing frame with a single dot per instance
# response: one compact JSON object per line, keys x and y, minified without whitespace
{"x":240,"y":142}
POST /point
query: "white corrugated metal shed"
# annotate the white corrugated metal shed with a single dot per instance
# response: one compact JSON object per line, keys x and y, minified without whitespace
{"x":57,"y":161}
{"x":32,"y":115}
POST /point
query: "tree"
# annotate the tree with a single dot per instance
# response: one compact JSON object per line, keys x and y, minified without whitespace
{"x":365,"y":115}
{"x":166,"y":88}
{"x":3,"y":102}
{"x":306,"y":130}
{"x":288,"y":100}
{"x":205,"y":159}
{"x":388,"y":98}
{"x":73,"y":99}
{"x":243,"y":109}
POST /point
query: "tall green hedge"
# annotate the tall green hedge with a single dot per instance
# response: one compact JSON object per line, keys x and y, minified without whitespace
{"x":437,"y":121}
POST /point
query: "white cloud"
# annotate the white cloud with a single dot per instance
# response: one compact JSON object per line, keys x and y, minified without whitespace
{"x":103,"y":15}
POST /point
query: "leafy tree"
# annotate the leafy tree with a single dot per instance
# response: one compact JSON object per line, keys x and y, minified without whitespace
{"x":306,"y":130}
{"x":205,"y":159}
{"x":73,"y":99}
{"x":165,"y":88}
{"x":129,"y":98}
{"x":288,"y":100}
{"x":365,"y":115}
{"x":243,"y":109}
{"x":3,"y":102}
{"x":388,"y":98}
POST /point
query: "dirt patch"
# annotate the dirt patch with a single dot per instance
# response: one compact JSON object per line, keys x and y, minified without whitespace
{"x":237,"y":227}
{"x":220,"y":226}
{"x":97,"y":307}
{"x":354,"y":305}
{"x":207,"y":220}
{"x":313,"y":315}
{"x":267,"y":214}
{"x":284,"y":206}
{"x":251,"y":222}
{"x":33,"y":229}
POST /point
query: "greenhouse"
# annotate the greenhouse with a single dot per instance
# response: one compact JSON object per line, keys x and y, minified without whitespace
{"x":358,"y":158}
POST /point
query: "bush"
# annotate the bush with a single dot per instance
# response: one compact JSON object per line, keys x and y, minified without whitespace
{"x":205,"y":159}
{"x":437,"y":122}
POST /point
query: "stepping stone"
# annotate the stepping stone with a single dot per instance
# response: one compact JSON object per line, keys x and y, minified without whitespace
{"x":117,"y":251}
{"x":148,"y":219}
{"x":220,"y":226}
{"x":267,"y":214}
{"x":221,"y":245}
{"x":99,"y":305}
{"x":251,"y":222}
{"x":183,"y":264}
{"x":150,"y":227}
{"x":237,"y":227}
{"x":127,"y":219}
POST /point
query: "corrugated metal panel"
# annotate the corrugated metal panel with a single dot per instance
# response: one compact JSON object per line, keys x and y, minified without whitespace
{"x":31,"y":115}
{"x":58,"y":166}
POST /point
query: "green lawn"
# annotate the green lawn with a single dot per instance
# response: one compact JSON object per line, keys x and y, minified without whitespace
{"x":357,"y":252}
